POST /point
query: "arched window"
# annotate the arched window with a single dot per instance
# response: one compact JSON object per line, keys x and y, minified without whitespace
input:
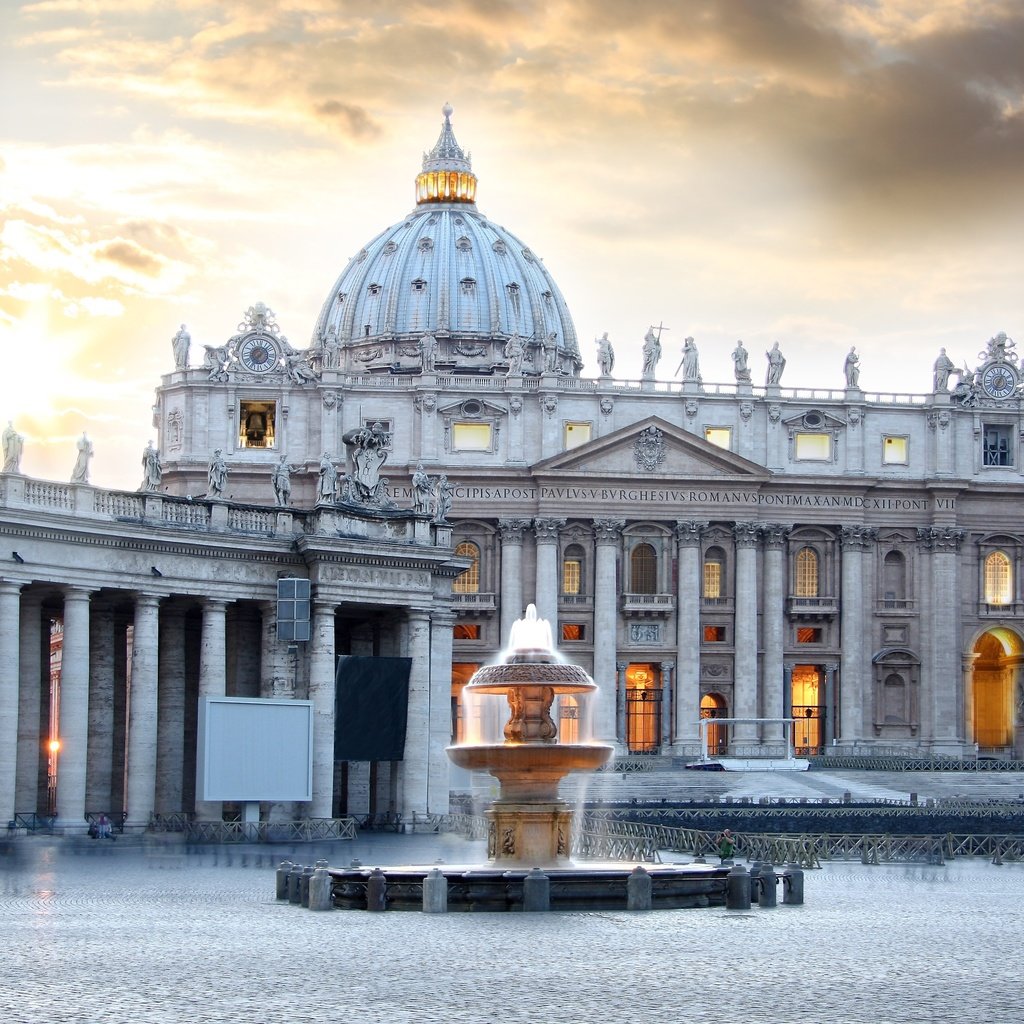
{"x":894,"y":577}
{"x":468,"y":581}
{"x":998,"y":579}
{"x":643,"y":570}
{"x":714,"y":574}
{"x":807,"y":573}
{"x":572,"y":570}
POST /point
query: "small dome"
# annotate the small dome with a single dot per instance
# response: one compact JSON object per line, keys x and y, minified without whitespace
{"x":448,"y":272}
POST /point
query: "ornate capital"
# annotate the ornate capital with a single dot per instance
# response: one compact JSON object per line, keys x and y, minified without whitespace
{"x":857,"y":538}
{"x":511,"y":530}
{"x":775,"y":535}
{"x":547,"y":529}
{"x":940,"y":538}
{"x":689,"y":532}
{"x":831,"y":668}
{"x":608,"y":531}
{"x":746,"y":534}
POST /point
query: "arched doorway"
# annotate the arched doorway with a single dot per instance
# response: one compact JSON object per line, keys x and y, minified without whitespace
{"x":998,"y":653}
{"x":713,"y":706}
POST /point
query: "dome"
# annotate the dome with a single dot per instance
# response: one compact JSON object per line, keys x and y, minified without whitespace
{"x":449,"y":273}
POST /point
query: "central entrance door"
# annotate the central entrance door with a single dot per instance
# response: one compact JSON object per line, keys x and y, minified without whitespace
{"x":643,"y":708}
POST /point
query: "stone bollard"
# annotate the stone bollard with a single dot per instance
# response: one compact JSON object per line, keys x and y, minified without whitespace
{"x":320,"y":888}
{"x":737,"y":888}
{"x":435,"y":892}
{"x":536,"y":891}
{"x":639,"y":889}
{"x":793,"y":885}
{"x":282,"y":879}
{"x":294,"y":878}
{"x":755,"y":870}
{"x":307,"y":874}
{"x":766,"y":881}
{"x":376,"y":891}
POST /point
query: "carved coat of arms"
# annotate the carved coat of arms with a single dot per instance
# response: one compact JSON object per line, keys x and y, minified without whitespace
{"x":649,"y":449}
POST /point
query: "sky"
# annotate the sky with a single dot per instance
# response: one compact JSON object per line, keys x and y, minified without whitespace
{"x":821,"y":173}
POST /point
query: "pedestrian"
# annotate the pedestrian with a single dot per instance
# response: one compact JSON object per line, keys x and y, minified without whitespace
{"x":726,"y":846}
{"x":103,"y":828}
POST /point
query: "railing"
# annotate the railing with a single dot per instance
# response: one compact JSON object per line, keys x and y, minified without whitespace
{"x":250,"y":520}
{"x":33,"y":822}
{"x":309,"y":830}
{"x":176,"y":822}
{"x":879,"y":761}
{"x":575,"y":600}
{"x":813,"y":605}
{"x":115,"y":818}
{"x":474,"y":602}
{"x":48,"y":495}
{"x":894,"y":604}
{"x":185,"y":513}
{"x":1001,"y":610}
{"x":721,"y":603}
{"x":662,"y":603}
{"x":114,"y":503}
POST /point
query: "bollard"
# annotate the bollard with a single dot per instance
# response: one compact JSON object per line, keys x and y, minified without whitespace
{"x":376,"y":891}
{"x":737,"y":888}
{"x":435,"y":892}
{"x":320,"y":888}
{"x":639,"y":889}
{"x":755,"y":870}
{"x":766,"y":881}
{"x":282,"y":879}
{"x":294,"y":876}
{"x":307,"y":874}
{"x":536,"y":891}
{"x":699,"y":859}
{"x":793,"y":885}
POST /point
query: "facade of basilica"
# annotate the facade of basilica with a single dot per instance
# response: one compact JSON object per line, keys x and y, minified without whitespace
{"x":736,"y":554}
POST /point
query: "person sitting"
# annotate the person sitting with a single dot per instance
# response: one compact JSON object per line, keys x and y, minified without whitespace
{"x":726,"y":846}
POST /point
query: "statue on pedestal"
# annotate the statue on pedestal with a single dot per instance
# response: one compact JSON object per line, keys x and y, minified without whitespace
{"x":442,"y":499}
{"x":80,"y":473}
{"x":690,"y":364}
{"x":739,"y":362}
{"x":422,"y":491}
{"x":282,"y":481}
{"x":776,"y":364}
{"x":514,"y":352}
{"x":152,"y":470}
{"x":943,"y":367}
{"x":328,"y":484}
{"x":180,"y":344}
{"x":217,"y":475}
{"x":651,"y":353}
{"x":13,"y":446}
{"x":850,"y":368}
{"x":428,"y":353}
{"x":605,"y":355}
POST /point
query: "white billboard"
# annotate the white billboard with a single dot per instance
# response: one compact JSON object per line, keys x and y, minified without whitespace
{"x":251,"y":749}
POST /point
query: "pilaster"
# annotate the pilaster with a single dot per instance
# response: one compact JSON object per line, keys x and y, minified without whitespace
{"x":688,"y":595}
{"x":607,"y":537}
{"x":511,"y":533}
{"x":140,"y":795}
{"x":853,"y":692}
{"x":775,"y":703}
{"x":745,"y":674}
{"x":417,"y":735}
{"x":322,"y":694}
{"x":546,"y":598}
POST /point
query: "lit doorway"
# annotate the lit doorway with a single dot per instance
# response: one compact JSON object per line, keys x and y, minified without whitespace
{"x":808,"y":709}
{"x":462,"y":731}
{"x":643,"y":708}
{"x":999,"y":654}
{"x":712,"y":707}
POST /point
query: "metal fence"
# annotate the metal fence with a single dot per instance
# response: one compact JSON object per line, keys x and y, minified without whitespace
{"x":309,"y":830}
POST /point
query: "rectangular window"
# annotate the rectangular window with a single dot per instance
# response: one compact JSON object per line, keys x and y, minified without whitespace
{"x":714,"y":634}
{"x":384,"y":425}
{"x":466,"y":631}
{"x":719,"y":436}
{"x":573,"y":631}
{"x":894,"y":451}
{"x":814,"y":447}
{"x":257,"y":424}
{"x":576,"y":434}
{"x":712,"y":579}
{"x":571,"y":576}
{"x":471,"y":437}
{"x":292,"y":609}
{"x":808,"y":635}
{"x":996,"y":445}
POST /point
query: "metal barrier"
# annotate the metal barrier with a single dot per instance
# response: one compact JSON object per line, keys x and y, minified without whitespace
{"x":34,"y":822}
{"x":306,"y":831}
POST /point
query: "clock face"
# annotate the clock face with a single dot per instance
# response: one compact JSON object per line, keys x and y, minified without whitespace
{"x":258,"y":354}
{"x":999,"y":380}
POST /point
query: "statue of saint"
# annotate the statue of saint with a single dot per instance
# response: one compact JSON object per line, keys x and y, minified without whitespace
{"x":442,"y":499}
{"x":282,"y":481}
{"x":850,"y":368}
{"x":80,"y":473}
{"x":739,"y":362}
{"x":605,"y":355}
{"x":215,"y":359}
{"x":943,"y":367}
{"x":514,"y":351}
{"x":328,"y":484}
{"x":651,"y":353}
{"x":13,"y":445}
{"x":422,"y":491}
{"x":550,"y":347}
{"x":152,"y":470}
{"x":428,"y":353}
{"x":690,"y":364}
{"x":217,"y":475}
{"x":299,"y":368}
{"x":776,"y":364}
{"x":180,"y":344}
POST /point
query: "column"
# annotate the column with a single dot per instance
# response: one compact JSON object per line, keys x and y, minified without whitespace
{"x":667,"y":704}
{"x":74,"y":711}
{"x":140,"y":778}
{"x":745,"y":666}
{"x":775,"y":703}
{"x":855,"y":540}
{"x":322,"y":694}
{"x":688,"y":594}
{"x":29,"y":694}
{"x":944,"y":696}
{"x":619,"y":736}
{"x":546,"y":597}
{"x":831,"y":733}
{"x":441,"y":624}
{"x":212,"y":683}
{"x":277,"y":662}
{"x":511,"y":532}
{"x":10,"y":674}
{"x":101,"y":711}
{"x":417,"y":733}
{"x":170,"y":743}
{"x":607,"y":536}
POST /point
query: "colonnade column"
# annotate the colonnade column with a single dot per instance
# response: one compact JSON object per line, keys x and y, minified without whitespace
{"x":417,"y":734}
{"x":546,"y":592}
{"x":830,"y":732}
{"x":511,"y":532}
{"x":855,"y":540}
{"x":212,"y":683}
{"x":74,"y":711}
{"x":776,"y":703}
{"x":101,"y":710}
{"x":945,"y":702}
{"x":688,"y":591}
{"x":10,"y":669}
{"x":441,"y":624}
{"x":607,"y":534}
{"x":26,"y":796}
{"x":322,"y":694}
{"x":745,"y":666}
{"x":667,"y":695}
{"x":620,"y":737}
{"x":140,"y":783}
{"x":170,"y":750}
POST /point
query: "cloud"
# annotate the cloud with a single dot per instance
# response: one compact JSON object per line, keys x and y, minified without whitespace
{"x":352,"y":119}
{"x":129,"y":254}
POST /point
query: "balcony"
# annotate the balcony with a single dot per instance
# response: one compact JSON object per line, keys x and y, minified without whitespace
{"x":716,"y":604}
{"x":812,"y":607}
{"x":894,"y":604}
{"x":1011,"y":609}
{"x":648,"y":604}
{"x":576,"y":601}
{"x":473,"y":604}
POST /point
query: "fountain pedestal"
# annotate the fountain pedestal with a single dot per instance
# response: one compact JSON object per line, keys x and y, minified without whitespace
{"x":533,"y":834}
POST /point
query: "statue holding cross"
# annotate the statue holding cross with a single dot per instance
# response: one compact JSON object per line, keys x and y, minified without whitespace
{"x":652,"y":351}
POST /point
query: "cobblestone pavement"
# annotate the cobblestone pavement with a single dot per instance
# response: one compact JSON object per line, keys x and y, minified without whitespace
{"x":120,"y":933}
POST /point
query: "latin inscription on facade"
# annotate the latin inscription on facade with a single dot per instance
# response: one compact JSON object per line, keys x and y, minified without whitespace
{"x":376,"y":577}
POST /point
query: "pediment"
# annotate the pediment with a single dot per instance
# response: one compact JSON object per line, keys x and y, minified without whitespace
{"x":652,"y":447}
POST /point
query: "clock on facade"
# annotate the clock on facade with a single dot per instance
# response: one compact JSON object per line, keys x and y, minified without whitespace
{"x":999,"y":380}
{"x":258,"y":354}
